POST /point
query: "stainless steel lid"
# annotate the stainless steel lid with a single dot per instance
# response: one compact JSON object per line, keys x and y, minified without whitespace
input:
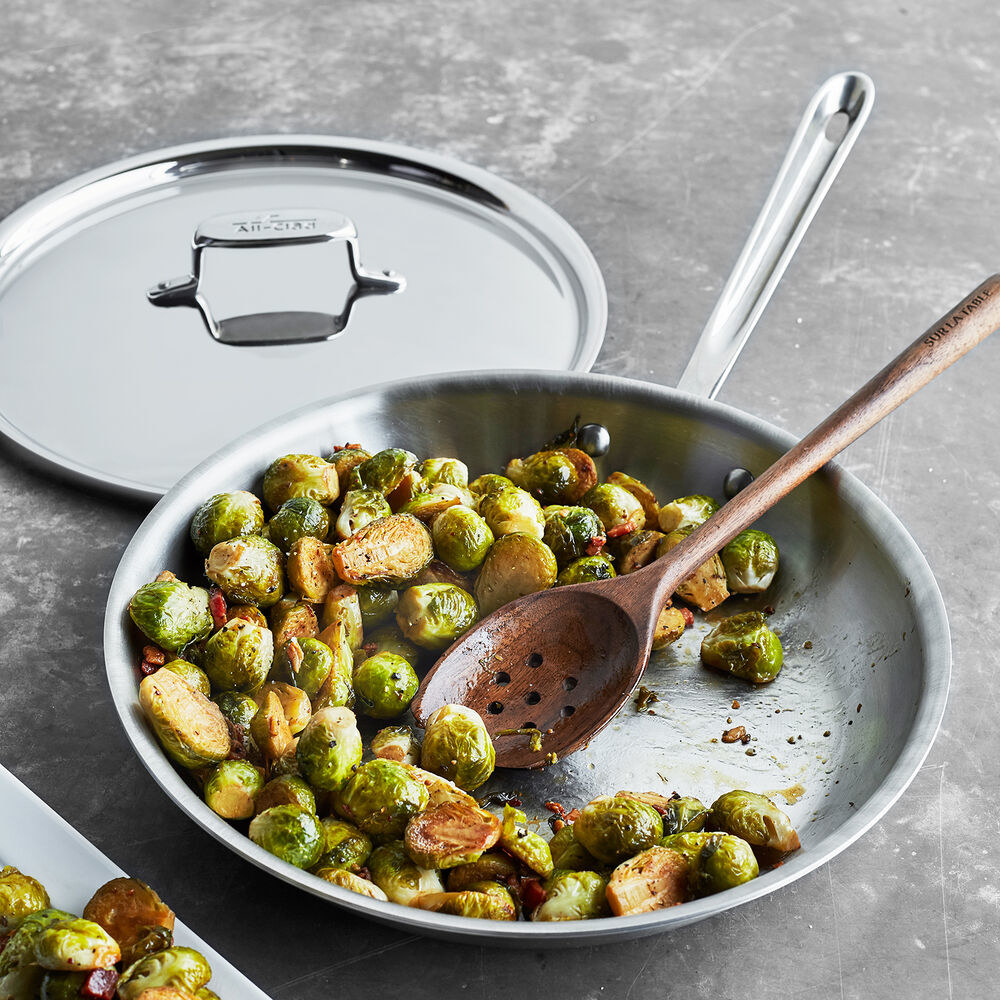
{"x":309,"y":266}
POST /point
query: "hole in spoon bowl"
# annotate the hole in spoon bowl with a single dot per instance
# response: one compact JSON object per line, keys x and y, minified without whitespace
{"x":495,"y":707}
{"x":532,"y":698}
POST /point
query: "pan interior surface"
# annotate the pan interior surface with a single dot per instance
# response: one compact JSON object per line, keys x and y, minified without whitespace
{"x":834,"y":739}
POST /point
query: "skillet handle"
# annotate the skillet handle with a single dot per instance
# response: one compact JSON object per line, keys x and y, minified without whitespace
{"x":828,"y":130}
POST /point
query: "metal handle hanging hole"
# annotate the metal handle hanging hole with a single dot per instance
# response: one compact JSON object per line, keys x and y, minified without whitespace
{"x":837,"y":125}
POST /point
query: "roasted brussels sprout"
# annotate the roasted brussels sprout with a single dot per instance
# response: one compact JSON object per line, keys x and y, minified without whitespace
{"x":377,"y":602}
{"x":451,"y":834}
{"x":439,"y":790}
{"x":342,"y":606}
{"x":248,"y":613}
{"x":613,"y":827}
{"x":285,"y":790}
{"x":488,"y":483}
{"x":238,"y":657}
{"x":306,"y":663}
{"x":686,"y":512}
{"x":348,"y":880}
{"x":554,"y":476}
{"x":134,"y":915}
{"x":618,"y":510}
{"x":458,"y":747}
{"x":716,"y":861}
{"x":568,"y":853}
{"x":249,"y":570}
{"x":19,"y":895}
{"x":482,"y":900}
{"x":18,"y":949}
{"x":399,"y":877}
{"x":750,"y":561}
{"x":516,"y":565}
{"x":270,"y":731}
{"x":183,"y":968}
{"x":56,"y":986}
{"x":380,"y":798}
{"x":636,"y":549}
{"x":461,"y":538}
{"x":572,"y":533}
{"x":346,"y":847}
{"x":435,"y":614}
{"x":396,"y":743}
{"x":589,"y":569}
{"x":170,"y":613}
{"x":493,"y":866}
{"x":194,"y":676}
{"x":298,"y":518}
{"x":384,"y":685}
{"x":526,"y":846}
{"x":300,"y":476}
{"x":360,"y":507}
{"x":384,"y":471}
{"x":238,"y":708}
{"x":573,"y":895}
{"x":232,"y":787}
{"x":73,"y":943}
{"x":449,"y":471}
{"x":685,"y":814}
{"x":642,"y":493}
{"x":329,"y":748}
{"x":190,"y":728}
{"x":292,"y":618}
{"x":669,"y":628}
{"x":427,"y":506}
{"x":706,"y":586}
{"x":652,"y":880}
{"x":223,"y":517}
{"x":294,"y":703}
{"x":310,"y":568}
{"x":439,"y":572}
{"x":290,"y":833}
{"x":754,"y":818}
{"x":389,"y":639}
{"x":345,"y":459}
{"x":511,"y":510}
{"x":745,"y":647}
{"x":390,"y":550}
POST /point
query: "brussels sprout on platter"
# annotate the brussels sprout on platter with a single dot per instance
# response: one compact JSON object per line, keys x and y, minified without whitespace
{"x":19,"y":895}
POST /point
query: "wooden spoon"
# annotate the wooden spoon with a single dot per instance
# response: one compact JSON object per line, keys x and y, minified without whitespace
{"x":565,"y":660}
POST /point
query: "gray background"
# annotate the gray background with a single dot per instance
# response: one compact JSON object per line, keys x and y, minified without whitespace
{"x":656,"y":129}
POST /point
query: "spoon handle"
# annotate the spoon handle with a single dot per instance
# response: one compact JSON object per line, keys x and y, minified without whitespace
{"x":955,"y":333}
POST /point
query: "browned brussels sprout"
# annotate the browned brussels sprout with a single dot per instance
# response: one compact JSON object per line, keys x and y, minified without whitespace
{"x":380,"y":798}
{"x":300,"y":476}
{"x":450,"y":834}
{"x":294,"y":703}
{"x":270,"y":731}
{"x":387,"y":551}
{"x":613,"y":827}
{"x":133,"y":914}
{"x":684,"y":814}
{"x":511,"y":510}
{"x":346,"y":458}
{"x":190,"y":728}
{"x":292,"y":618}
{"x":435,"y":614}
{"x":396,"y":743}
{"x":716,"y":861}
{"x":686,"y":512}
{"x":231,"y":789}
{"x":589,"y":569}
{"x":290,"y":833}
{"x":636,"y":549}
{"x":306,"y":663}
{"x":399,"y":877}
{"x":569,"y":853}
{"x":249,"y":570}
{"x":384,"y":471}
{"x":449,"y":471}
{"x":492,"y":866}
{"x":19,"y":895}
{"x":360,"y":507}
{"x":516,"y":565}
{"x":572,"y":533}
{"x":223,"y":517}
{"x":652,"y":880}
{"x":195,"y":676}
{"x":170,"y":613}
{"x":642,"y":493}
{"x":554,"y":476}
{"x":248,"y":613}
{"x":754,"y":818}
{"x":669,"y":628}
{"x":342,"y":605}
{"x":377,"y":602}
{"x":488,"y":483}
{"x":706,"y":587}
{"x":486,"y":901}
{"x":238,"y":708}
{"x":457,"y":746}
{"x":298,"y":518}
{"x":346,"y":847}
{"x":618,"y":510}
{"x":524,"y":844}
{"x":745,"y":647}
{"x":310,"y":568}
{"x":348,"y":880}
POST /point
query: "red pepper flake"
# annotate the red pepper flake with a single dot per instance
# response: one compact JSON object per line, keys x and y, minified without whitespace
{"x":595,"y":545}
{"x":572,"y":816}
{"x":557,"y":807}
{"x":100,"y":985}
{"x":217,"y":605}
{"x":688,"y":617}
{"x":532,"y":894}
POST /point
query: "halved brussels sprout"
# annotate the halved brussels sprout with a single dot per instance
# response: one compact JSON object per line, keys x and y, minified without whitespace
{"x":484,"y":901}
{"x":384,"y":471}
{"x":396,"y":874}
{"x":72,"y":944}
{"x":396,"y":743}
{"x":613,"y":827}
{"x":380,"y":798}
{"x":182,"y":968}
{"x":310,"y":568}
{"x":618,"y":510}
{"x":285,"y":790}
{"x":439,"y":572}
{"x":439,"y":790}
{"x":298,"y":518}
{"x":516,"y":565}
{"x":642,"y":493}
{"x":306,"y":663}
{"x":19,"y":895}
{"x":745,"y":647}
{"x":572,"y":533}
{"x":387,"y":551}
{"x":686,"y":512}
{"x":389,"y":639}
{"x":435,"y":614}
{"x":636,"y":549}
{"x":270,"y":731}
{"x":750,"y":561}
{"x":669,"y":628}
{"x":190,"y":728}
{"x":329,"y":748}
{"x":754,"y":818}
{"x":170,"y":613}
{"x":231,"y":789}
{"x":573,"y":895}
{"x":348,"y":880}
{"x":18,"y":949}
{"x":461,"y":538}
{"x":249,"y":570}
{"x":457,"y":746}
{"x":294,"y":703}
{"x":292,"y":618}
{"x":300,"y":476}
{"x":450,"y":834}
{"x":493,"y":866}
{"x":706,"y":586}
{"x":290,"y":833}
{"x":384,"y":686}
{"x":134,"y":915}
{"x":568,"y":853}
{"x":488,"y":483}
{"x":526,"y":846}
{"x":716,"y":861}
{"x":589,"y":569}
{"x":511,"y":510}
{"x":445,"y":470}
{"x":345,"y":459}
{"x":343,"y":606}
{"x":377,"y":602}
{"x":561,"y":476}
{"x":194,"y":676}
{"x":238,"y":708}
{"x":407,"y":490}
{"x":223,"y":517}
{"x":346,"y":847}
{"x":360,"y":507}
{"x":238,"y":657}
{"x":652,"y":880}
{"x":427,"y":506}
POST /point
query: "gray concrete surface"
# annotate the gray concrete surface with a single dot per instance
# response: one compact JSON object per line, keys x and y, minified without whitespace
{"x":656,"y":129}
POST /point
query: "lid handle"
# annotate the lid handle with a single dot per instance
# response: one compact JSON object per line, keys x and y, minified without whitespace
{"x":270,"y":229}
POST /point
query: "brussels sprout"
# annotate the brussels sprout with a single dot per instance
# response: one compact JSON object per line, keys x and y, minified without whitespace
{"x":745,"y":647}
{"x":613,"y":827}
{"x":231,"y":789}
{"x":669,"y":627}
{"x":348,"y":880}
{"x":329,"y":748}
{"x":573,"y":895}
{"x":383,"y":471}
{"x":684,"y":815}
{"x":384,"y":685}
{"x":427,"y":506}
{"x":461,"y":538}
{"x":248,"y":570}
{"x":561,"y":476}
{"x":285,"y":790}
{"x":289,"y":832}
{"x":18,"y":949}
{"x":636,"y":549}
{"x":754,"y":818}
{"x":439,"y":572}
{"x":458,"y":747}
{"x":270,"y":731}
{"x":493,"y":866}
{"x":224,"y":517}
{"x":193,"y":675}
{"x":716,"y":861}
{"x":516,"y":565}
{"x":134,"y":915}
{"x":72,"y":944}
{"x":190,"y":728}
{"x":360,"y":507}
{"x":238,"y":656}
{"x":618,"y":510}
{"x":170,"y":613}
{"x":57,"y":986}
{"x":489,"y":483}
{"x":294,"y":703}
{"x":401,"y":880}
{"x":183,"y":968}
{"x":389,"y":639}
{"x":298,"y":518}
{"x":306,"y":663}
{"x":487,"y":901}
{"x":526,"y":846}
{"x":342,"y":605}
{"x":238,"y":708}
{"x":439,"y":790}
{"x":569,"y":854}
{"x":387,"y":551}
{"x":435,"y":614}
{"x":292,"y":618}
{"x":445,"y":470}
{"x":411,"y":486}
{"x":19,"y":895}
{"x":451,"y":834}
{"x":377,"y":602}
{"x":396,"y":743}
{"x":345,"y":459}
{"x":706,"y":586}
{"x":248,"y":613}
{"x":300,"y":476}
{"x":380,"y":798}
{"x":653,"y":880}
{"x":750,"y":561}
{"x":310,"y":568}
{"x":589,"y":569}
{"x":686,"y":512}
{"x":337,"y":692}
{"x":572,"y":533}
{"x":345,"y":847}
{"x":642,"y":493}
{"x":511,"y":510}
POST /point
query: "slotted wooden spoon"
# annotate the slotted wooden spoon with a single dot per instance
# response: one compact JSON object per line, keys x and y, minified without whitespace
{"x":565,"y":660}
